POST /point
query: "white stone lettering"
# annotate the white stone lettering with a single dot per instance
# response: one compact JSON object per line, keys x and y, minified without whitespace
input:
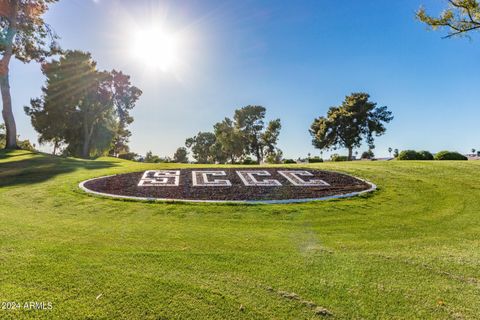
{"x":294,"y":177}
{"x":160,"y":178}
{"x":200,"y":179}
{"x":249,"y":179}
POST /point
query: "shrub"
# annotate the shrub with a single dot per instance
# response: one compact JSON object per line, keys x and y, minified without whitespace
{"x":336,"y":157}
{"x":274,"y":157}
{"x":449,"y":155}
{"x":425,"y":155}
{"x":289,"y":161}
{"x":25,"y":145}
{"x":415,"y":155}
{"x":128,"y":156}
{"x":368,"y":155}
{"x":315,"y":160}
{"x":409,"y":155}
{"x":248,"y":160}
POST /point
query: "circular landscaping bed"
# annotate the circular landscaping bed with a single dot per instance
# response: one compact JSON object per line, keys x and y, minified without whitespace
{"x":317,"y":185}
{"x":267,"y":185}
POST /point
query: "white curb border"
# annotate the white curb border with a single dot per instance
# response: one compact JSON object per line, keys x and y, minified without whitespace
{"x":373,"y":187}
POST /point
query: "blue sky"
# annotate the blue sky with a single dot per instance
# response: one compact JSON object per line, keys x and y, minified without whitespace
{"x":296,"y":58}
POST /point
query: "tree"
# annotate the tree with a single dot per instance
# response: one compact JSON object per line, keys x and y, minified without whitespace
{"x":275,"y":156}
{"x":124,"y":98}
{"x":395,"y":153}
{"x":81,"y":106}
{"x":390,"y":151}
{"x":25,"y":36}
{"x":76,"y":106}
{"x":151,"y":158}
{"x":368,"y":154}
{"x":347,"y":125}
{"x":230,"y":138}
{"x":473,"y":151}
{"x":49,"y":124}
{"x":269,"y":138}
{"x":236,"y":139}
{"x":460,"y":18}
{"x":203,"y":147}
{"x":250,"y":121}
{"x":181,"y":155}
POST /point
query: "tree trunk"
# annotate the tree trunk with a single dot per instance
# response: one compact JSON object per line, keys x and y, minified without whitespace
{"x":86,"y":142}
{"x":7,"y":113}
{"x":258,"y":155}
{"x":87,"y":136}
{"x":10,"y":12}
{"x":55,"y":147}
{"x":350,"y":153}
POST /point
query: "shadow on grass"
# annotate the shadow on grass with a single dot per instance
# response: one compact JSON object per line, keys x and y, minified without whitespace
{"x":39,"y":167}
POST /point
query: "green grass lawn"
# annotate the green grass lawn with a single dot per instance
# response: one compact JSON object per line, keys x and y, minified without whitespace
{"x":410,"y":250}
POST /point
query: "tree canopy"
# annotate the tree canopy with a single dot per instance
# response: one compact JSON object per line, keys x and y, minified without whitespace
{"x":236,"y":139}
{"x":203,"y":147}
{"x":346,"y":126}
{"x":181,"y":155}
{"x":25,"y":36}
{"x":459,"y":18}
{"x":258,"y":139}
{"x":124,"y":97}
{"x":82,"y":107}
{"x":230,"y":138}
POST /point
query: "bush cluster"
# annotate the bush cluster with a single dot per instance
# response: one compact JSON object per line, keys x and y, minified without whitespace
{"x":425,"y":155}
{"x":449,"y":155}
{"x":249,"y":160}
{"x":415,"y":155}
{"x":315,"y":160}
{"x":289,"y":161}
{"x":367,"y":155}
{"x":336,"y":157}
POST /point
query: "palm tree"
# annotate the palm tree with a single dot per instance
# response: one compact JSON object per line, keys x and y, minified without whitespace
{"x":390,"y":151}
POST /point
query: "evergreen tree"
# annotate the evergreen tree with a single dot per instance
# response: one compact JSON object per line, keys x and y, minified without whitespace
{"x":460,"y":18}
{"x":124,"y":98}
{"x":80,"y":105}
{"x":347,"y":125}
{"x":181,"y":155}
{"x":204,"y":147}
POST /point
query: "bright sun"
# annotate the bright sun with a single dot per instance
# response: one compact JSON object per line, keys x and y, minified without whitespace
{"x":155,"y":48}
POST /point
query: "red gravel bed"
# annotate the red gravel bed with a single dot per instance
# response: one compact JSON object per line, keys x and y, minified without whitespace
{"x":126,"y":185}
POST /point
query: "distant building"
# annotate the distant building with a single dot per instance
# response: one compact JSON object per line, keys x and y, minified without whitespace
{"x":473,"y":156}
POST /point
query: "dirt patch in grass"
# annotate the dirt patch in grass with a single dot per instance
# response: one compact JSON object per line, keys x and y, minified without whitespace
{"x":127,"y":185}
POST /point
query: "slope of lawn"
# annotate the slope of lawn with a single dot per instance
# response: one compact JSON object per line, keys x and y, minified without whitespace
{"x":411,"y":250}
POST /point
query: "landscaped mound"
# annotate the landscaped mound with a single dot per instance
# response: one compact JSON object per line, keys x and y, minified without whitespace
{"x":233,"y":184}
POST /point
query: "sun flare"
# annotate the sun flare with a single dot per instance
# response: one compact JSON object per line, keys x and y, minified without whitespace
{"x":156,"y":48}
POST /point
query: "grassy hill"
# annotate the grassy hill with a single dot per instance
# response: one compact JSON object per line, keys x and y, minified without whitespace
{"x":410,"y":250}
